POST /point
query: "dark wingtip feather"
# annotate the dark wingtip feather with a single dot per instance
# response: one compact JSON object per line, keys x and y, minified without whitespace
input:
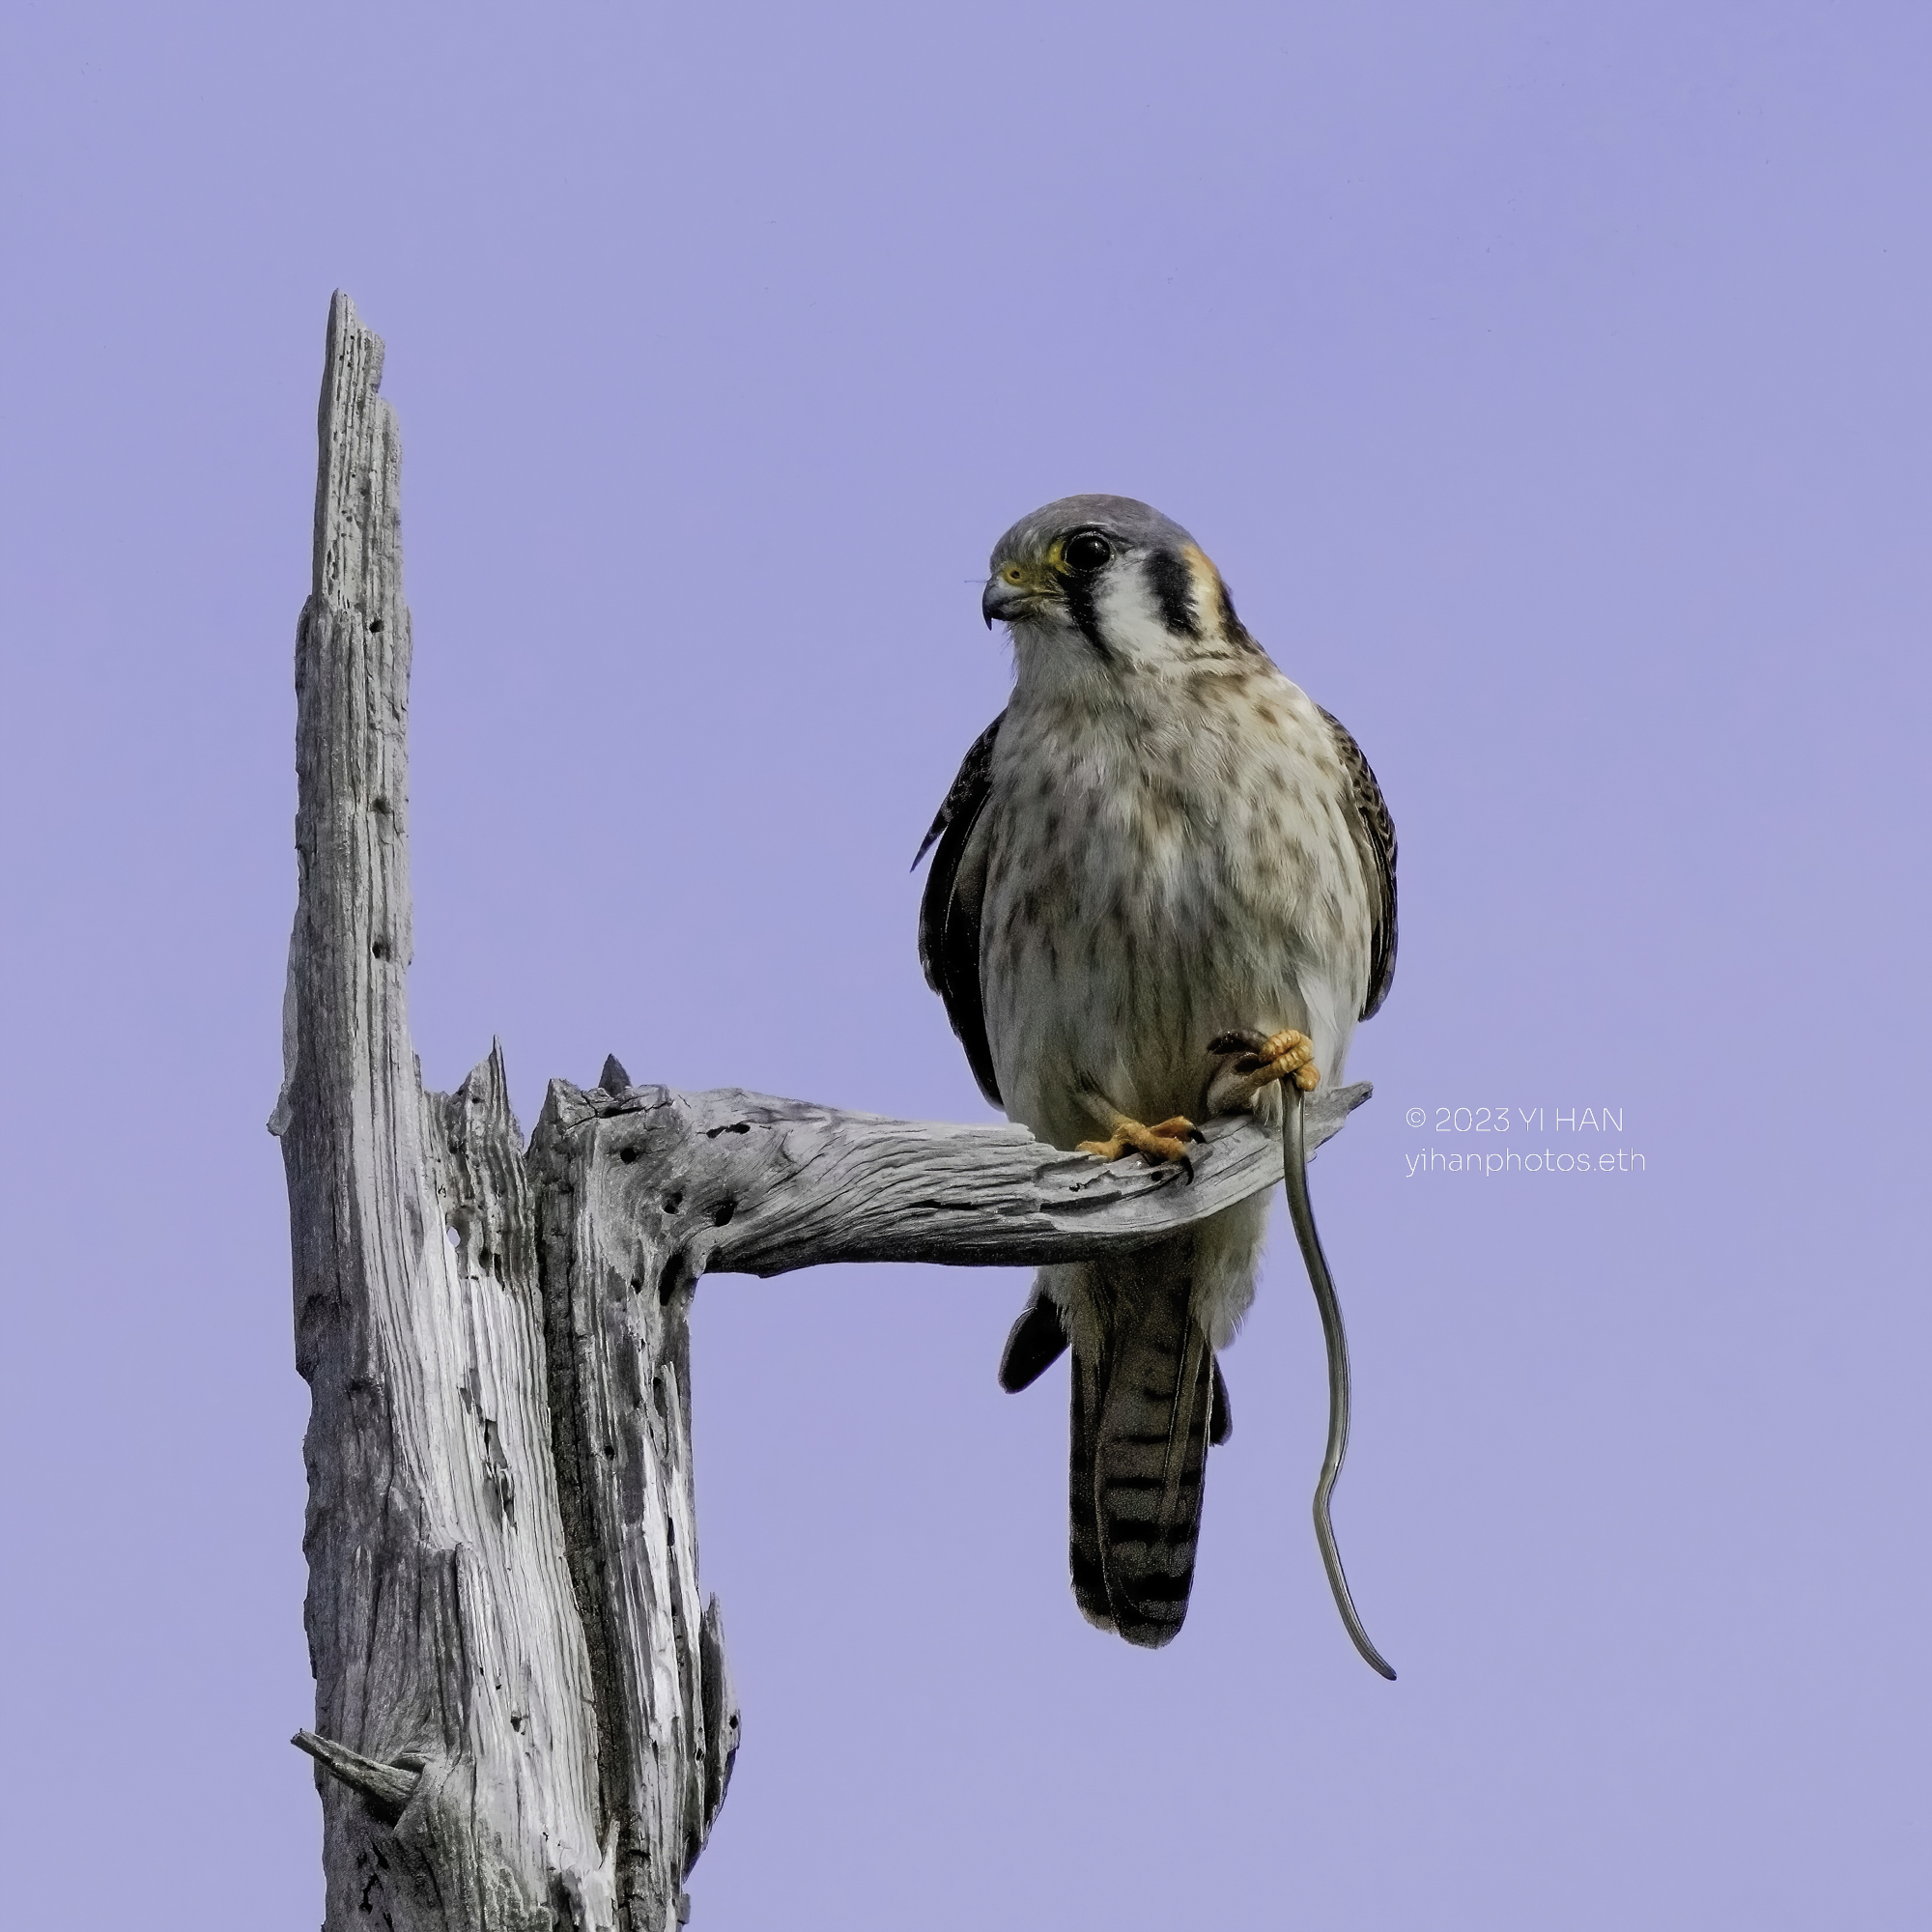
{"x":949,"y":910}
{"x":968,"y":788}
{"x":1374,"y":836}
{"x":1036,"y":1340}
{"x":932,"y":838}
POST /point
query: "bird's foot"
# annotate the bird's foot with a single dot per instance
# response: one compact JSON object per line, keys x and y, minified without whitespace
{"x":1167,"y":1141}
{"x":1259,"y":1060}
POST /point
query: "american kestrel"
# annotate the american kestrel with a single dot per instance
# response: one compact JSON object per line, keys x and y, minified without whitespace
{"x":1161,"y":844}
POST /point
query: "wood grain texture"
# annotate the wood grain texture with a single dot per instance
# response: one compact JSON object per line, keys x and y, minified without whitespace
{"x":442,"y":1626}
{"x":734,"y":1182}
{"x":617,"y":1297}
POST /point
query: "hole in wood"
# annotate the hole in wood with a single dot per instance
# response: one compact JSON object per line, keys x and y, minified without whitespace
{"x":723,"y":1212}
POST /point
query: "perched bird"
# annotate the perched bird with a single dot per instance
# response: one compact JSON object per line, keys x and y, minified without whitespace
{"x":1165,"y":883}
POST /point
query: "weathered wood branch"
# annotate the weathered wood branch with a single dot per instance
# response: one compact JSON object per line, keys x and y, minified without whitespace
{"x":388,"y":1788}
{"x":523,"y":1714}
{"x":743,"y":1184}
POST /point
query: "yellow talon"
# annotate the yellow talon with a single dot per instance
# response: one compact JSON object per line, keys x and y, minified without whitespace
{"x":1166,"y":1142}
{"x":1261,"y":1061}
{"x":1287,"y":1056}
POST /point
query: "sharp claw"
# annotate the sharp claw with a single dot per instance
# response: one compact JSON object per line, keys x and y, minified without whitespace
{"x":1239,"y":1040}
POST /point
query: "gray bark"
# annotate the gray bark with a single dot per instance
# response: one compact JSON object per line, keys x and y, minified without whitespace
{"x":523,"y":1712}
{"x":442,"y":1628}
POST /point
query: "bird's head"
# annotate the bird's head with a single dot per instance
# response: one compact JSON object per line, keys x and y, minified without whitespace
{"x":1110,"y":581}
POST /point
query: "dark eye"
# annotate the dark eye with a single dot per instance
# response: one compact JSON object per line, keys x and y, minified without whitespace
{"x":1086,"y":552}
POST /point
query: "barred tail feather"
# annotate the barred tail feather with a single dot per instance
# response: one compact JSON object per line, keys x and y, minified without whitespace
{"x":1083,"y":1519}
{"x":1142,"y":1411}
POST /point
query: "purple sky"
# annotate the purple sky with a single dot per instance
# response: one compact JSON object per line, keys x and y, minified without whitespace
{"x":1550,"y":383}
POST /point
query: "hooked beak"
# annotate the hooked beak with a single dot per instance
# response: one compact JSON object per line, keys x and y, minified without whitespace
{"x":1005,"y":601}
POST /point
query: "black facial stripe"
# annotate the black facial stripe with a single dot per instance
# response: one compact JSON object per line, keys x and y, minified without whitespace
{"x":1174,"y":591}
{"x":1230,"y":623}
{"x":1079,"y":594}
